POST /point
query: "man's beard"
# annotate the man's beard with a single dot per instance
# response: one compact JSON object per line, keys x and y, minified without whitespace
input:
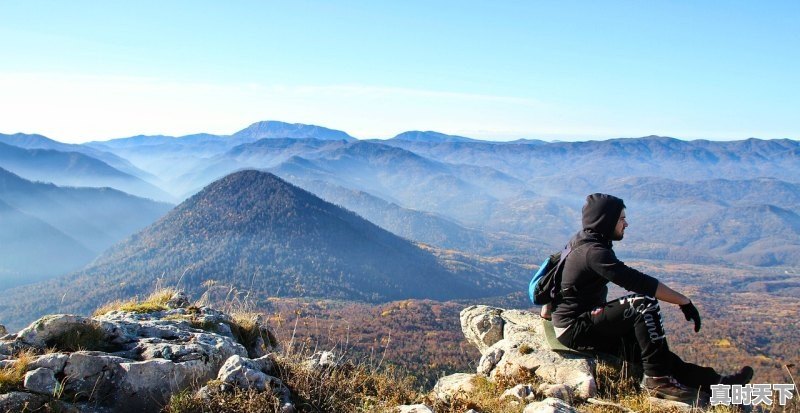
{"x":617,"y":237}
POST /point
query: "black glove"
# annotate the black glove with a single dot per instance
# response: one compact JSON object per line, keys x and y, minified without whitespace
{"x":691,"y":313}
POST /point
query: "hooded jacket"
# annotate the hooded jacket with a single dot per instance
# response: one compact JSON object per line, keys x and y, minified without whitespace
{"x":592,"y":264}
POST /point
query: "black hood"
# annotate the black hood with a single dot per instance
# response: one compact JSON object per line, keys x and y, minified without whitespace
{"x":601,"y":213}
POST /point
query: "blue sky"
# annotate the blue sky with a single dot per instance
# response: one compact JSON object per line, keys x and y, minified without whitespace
{"x":79,"y":70}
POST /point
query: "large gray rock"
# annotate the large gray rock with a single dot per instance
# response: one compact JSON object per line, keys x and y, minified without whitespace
{"x":549,"y":405}
{"x":413,"y":408}
{"x":658,"y":405}
{"x":43,"y":331}
{"x":244,"y":373}
{"x":482,"y":325}
{"x":52,"y":361}
{"x":513,"y":342}
{"x":520,"y":392}
{"x":42,"y":381}
{"x":454,"y":386}
{"x":21,"y":402}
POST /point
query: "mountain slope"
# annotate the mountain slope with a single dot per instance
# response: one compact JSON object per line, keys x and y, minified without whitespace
{"x":72,"y":169}
{"x":61,"y":229}
{"x":261,"y":234}
{"x":41,"y":142}
{"x":31,"y":247}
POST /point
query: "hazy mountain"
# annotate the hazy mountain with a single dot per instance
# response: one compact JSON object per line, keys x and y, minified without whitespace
{"x":72,"y":169}
{"x":33,"y":250}
{"x":41,"y":142}
{"x":261,"y":154}
{"x":430,"y":136}
{"x":60,"y":229}
{"x":598,"y":161}
{"x":259,"y":233}
{"x":464,"y":192}
{"x":180,"y":162}
{"x":416,"y":225}
{"x":721,"y":192}
{"x":274,"y":129}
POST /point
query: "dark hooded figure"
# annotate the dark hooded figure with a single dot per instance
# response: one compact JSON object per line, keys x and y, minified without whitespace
{"x":630,"y":325}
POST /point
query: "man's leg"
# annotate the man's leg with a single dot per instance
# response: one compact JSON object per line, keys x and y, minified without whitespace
{"x":604,"y":328}
{"x":693,"y":375}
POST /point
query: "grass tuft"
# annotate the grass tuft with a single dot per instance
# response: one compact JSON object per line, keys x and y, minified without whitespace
{"x":157,"y":301}
{"x":246,"y":330}
{"x":11,"y":378}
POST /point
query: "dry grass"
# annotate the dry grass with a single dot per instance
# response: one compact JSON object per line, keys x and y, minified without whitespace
{"x":246,"y":330}
{"x":347,"y":388}
{"x":157,"y":301}
{"x":224,"y":402}
{"x":11,"y":378}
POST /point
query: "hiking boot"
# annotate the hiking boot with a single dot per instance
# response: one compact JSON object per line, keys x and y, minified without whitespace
{"x":741,"y":378}
{"x":666,"y":387}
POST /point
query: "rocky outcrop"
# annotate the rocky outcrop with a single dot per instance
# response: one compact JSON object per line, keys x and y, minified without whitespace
{"x":514,"y":347}
{"x":513,"y":342}
{"x":132,"y":362}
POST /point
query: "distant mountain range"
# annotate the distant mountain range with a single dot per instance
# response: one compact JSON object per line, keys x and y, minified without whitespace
{"x":73,"y":169}
{"x":258,"y":233}
{"x":430,"y":136}
{"x":50,"y":230}
{"x":688,"y":199}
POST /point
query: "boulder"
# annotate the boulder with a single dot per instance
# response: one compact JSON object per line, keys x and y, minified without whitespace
{"x":52,"y":361}
{"x":42,"y":381}
{"x":178,"y":300}
{"x":558,"y":391}
{"x":659,"y":405}
{"x":43,"y":331}
{"x":513,"y":342}
{"x":549,"y":405}
{"x":21,"y":402}
{"x":520,"y":392}
{"x":482,"y":326}
{"x":3,"y":330}
{"x":454,"y":386}
{"x":413,"y":408}
{"x":244,"y":373}
{"x":322,"y":360}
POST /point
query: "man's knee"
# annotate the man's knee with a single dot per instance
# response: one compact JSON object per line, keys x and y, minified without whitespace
{"x":640,"y":303}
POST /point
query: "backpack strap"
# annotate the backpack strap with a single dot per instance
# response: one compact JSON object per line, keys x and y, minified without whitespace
{"x":557,"y":292}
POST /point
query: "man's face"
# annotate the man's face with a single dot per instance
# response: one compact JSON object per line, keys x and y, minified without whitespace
{"x":619,"y":230}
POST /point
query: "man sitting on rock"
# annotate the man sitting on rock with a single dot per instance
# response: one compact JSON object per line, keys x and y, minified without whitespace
{"x":584,"y":319}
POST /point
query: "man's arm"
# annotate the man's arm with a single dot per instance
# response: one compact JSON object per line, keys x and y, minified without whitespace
{"x":669,"y":295}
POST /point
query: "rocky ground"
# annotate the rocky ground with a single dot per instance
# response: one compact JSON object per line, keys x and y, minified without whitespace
{"x":169,"y":355}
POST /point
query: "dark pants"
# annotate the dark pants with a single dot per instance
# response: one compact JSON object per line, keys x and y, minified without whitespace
{"x":631,"y":327}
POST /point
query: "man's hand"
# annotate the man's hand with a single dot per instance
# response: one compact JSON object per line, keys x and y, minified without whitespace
{"x":691,"y":313}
